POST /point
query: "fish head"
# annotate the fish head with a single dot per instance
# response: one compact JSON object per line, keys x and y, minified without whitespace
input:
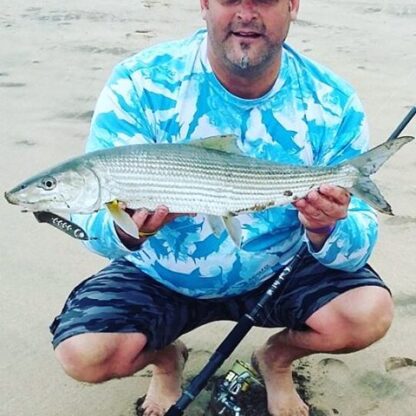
{"x":69,"y":188}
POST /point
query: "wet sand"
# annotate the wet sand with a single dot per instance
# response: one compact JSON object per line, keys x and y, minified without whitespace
{"x":54,"y":60}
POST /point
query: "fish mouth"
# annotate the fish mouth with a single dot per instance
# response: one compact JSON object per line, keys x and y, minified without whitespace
{"x":10,"y":198}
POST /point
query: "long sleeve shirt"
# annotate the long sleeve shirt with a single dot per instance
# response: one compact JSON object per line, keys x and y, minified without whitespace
{"x":169,"y":94}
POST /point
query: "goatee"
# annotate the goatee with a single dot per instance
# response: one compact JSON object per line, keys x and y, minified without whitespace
{"x":244,"y":62}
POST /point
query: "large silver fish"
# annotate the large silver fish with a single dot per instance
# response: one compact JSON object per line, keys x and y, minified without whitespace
{"x":209,"y":176}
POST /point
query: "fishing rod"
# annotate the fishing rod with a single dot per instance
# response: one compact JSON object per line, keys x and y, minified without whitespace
{"x":243,"y":326}
{"x":232,"y":340}
{"x":403,"y":123}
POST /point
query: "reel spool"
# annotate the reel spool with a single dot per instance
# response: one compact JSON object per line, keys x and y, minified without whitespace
{"x":228,"y":390}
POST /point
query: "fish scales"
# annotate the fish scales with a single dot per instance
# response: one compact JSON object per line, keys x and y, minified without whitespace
{"x":142,"y":180}
{"x":215,"y":185}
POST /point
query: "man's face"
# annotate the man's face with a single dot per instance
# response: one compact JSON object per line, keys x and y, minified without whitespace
{"x":247,"y":35}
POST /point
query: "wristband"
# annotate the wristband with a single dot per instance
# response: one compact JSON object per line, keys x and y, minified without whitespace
{"x":144,"y":234}
{"x":327,"y":229}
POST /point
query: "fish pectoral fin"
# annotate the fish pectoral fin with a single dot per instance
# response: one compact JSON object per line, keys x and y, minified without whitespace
{"x":233,"y":228}
{"x":224,"y":143}
{"x":229,"y":223}
{"x":217,"y":224}
{"x":121,"y":218}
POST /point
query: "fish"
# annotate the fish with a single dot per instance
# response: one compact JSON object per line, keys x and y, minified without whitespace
{"x":210,"y":176}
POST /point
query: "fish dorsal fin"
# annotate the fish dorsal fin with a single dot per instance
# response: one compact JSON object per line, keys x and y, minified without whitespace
{"x":224,"y":143}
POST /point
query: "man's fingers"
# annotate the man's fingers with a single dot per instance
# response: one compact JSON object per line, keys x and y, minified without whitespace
{"x":140,"y":216}
{"x":314,"y":214}
{"x":320,"y":205}
{"x":150,"y":222}
{"x":156,"y":219}
{"x":323,"y":206}
{"x":339,"y":195}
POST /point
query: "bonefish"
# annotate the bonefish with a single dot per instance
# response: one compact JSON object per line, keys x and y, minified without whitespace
{"x":209,"y":176}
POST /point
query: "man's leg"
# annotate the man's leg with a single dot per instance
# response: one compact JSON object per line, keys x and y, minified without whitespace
{"x":350,"y":322}
{"x":119,"y":321}
{"x":116,"y":323}
{"x":97,"y":357}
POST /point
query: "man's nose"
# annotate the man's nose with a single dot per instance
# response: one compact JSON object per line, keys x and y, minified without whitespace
{"x":247,"y":10}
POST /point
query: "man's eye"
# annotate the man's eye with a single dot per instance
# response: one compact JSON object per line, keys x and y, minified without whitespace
{"x":229,"y":2}
{"x":256,"y":2}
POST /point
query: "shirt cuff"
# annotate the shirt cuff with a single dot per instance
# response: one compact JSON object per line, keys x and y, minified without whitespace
{"x":330,"y":241}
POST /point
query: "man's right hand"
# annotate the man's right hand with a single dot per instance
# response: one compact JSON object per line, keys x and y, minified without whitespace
{"x":147,"y":222}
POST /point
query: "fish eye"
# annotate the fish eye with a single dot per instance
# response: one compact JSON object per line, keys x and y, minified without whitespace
{"x":48,"y":183}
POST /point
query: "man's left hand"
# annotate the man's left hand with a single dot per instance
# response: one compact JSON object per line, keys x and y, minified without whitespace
{"x":321,"y":209}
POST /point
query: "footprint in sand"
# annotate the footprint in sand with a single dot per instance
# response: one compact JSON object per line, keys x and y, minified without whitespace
{"x":90,"y":49}
{"x":12,"y":84}
{"x":25,"y":142}
{"x":329,"y":376}
{"x":373,"y":10}
{"x":402,"y":10}
{"x":393,"y":363}
{"x":321,"y":410}
{"x":379,"y":386}
{"x":405,"y":304}
{"x":400,"y":220}
{"x":334,"y":369}
{"x":85,"y":115}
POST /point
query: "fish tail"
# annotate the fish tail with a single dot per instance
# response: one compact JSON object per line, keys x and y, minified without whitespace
{"x":369,"y":163}
{"x":367,"y":190}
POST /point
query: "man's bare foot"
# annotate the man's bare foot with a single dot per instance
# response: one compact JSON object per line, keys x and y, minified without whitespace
{"x":165,"y":385}
{"x":282,"y":397}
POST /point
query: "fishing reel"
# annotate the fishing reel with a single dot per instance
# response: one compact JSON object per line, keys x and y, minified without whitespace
{"x":228,"y":390}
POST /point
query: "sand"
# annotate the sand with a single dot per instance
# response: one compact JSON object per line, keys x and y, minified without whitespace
{"x":54,"y":59}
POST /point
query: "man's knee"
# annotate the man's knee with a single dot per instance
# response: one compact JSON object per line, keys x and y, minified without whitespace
{"x":355,"y":319}
{"x":97,"y":357}
{"x":374,"y":318}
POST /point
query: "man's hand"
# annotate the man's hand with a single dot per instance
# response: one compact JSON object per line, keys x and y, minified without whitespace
{"x":147,"y":222}
{"x":320,"y":210}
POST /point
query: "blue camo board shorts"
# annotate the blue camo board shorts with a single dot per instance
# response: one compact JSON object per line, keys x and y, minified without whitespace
{"x":122,"y":299}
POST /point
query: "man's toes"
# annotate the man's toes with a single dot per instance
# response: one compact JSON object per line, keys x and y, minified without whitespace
{"x":148,"y":408}
{"x":152,"y":409}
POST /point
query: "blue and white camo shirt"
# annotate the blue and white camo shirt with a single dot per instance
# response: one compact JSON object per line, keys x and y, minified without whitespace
{"x":169,"y":94}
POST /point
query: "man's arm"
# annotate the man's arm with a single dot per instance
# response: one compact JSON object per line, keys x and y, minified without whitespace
{"x":344,"y":228}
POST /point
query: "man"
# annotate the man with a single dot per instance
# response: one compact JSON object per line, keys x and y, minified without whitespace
{"x":237,"y":78}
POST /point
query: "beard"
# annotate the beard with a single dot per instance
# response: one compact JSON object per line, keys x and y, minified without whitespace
{"x":247,"y":59}
{"x":243,"y":57}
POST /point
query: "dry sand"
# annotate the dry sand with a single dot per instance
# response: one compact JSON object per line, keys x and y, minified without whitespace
{"x":54,"y":59}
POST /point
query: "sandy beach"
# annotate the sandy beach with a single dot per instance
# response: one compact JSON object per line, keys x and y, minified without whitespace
{"x":54,"y":60}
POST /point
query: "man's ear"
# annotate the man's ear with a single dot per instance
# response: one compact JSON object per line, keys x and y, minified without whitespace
{"x":293,"y":9}
{"x":204,"y":6}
